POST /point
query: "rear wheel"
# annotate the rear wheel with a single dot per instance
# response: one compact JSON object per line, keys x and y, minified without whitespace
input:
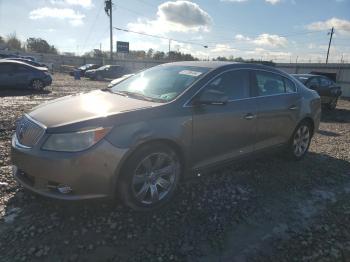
{"x":300,"y":141}
{"x":150,"y":177}
{"x":37,"y":84}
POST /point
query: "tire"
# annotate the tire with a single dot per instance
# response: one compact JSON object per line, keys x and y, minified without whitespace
{"x":149,"y":177}
{"x":37,"y":84}
{"x":333,"y":104}
{"x":299,"y":143}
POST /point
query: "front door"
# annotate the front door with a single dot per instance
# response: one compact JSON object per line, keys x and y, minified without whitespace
{"x":225,"y":131}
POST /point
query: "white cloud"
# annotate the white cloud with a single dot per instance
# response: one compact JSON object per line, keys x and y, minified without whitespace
{"x":261,"y":52}
{"x":234,"y":1}
{"x":270,"y":40}
{"x":179,"y":16}
{"x":340,"y":25}
{"x":82,"y":3}
{"x":264,"y":40}
{"x":74,"y":18}
{"x":273,"y":2}
{"x":142,"y":45}
{"x":220,"y":48}
{"x":240,"y":37}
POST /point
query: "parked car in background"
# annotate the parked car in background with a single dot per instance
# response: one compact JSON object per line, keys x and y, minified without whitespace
{"x":28,"y":61}
{"x":118,"y":80}
{"x":137,"y":139}
{"x":105,"y":72}
{"x":324,"y":86}
{"x":22,"y":75}
{"x":83,"y":69}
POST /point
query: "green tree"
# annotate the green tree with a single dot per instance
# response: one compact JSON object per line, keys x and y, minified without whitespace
{"x":150,"y":53}
{"x":40,"y":45}
{"x":13,"y":42}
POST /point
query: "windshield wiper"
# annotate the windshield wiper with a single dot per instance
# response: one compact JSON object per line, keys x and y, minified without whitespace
{"x":139,"y":96}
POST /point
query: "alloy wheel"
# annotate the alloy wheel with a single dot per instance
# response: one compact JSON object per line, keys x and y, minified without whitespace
{"x":37,"y":85}
{"x":154,"y":178}
{"x":301,"y":140}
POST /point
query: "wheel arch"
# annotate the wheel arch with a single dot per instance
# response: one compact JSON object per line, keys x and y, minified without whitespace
{"x":165,"y":141}
{"x":309,"y":120}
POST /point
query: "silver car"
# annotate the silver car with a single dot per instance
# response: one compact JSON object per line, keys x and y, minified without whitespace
{"x":136,"y":140}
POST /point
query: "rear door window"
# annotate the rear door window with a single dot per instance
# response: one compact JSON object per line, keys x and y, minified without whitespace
{"x":269,"y":83}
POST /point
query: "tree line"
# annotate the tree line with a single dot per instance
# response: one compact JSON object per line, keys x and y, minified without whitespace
{"x":40,"y":45}
{"x":32,"y":44}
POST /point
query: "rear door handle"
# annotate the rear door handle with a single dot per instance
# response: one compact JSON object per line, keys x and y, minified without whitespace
{"x":293,"y":107}
{"x":249,"y":116}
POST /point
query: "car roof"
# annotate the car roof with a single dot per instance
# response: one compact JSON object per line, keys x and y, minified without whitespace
{"x":219,"y":64}
{"x":16,"y":62}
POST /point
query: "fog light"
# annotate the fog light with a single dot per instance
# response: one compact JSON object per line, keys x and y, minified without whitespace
{"x":64,"y":189}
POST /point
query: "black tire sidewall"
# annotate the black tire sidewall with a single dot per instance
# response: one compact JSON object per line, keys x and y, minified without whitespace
{"x":124,"y":183}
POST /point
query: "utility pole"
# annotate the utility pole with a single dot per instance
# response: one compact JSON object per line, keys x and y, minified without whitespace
{"x":108,"y":10}
{"x":330,"y":41}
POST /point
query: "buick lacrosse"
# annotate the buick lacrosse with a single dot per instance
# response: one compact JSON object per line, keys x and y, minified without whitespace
{"x":136,"y":140}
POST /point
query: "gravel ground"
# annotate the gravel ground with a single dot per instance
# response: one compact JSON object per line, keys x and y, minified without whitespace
{"x":267,"y":209}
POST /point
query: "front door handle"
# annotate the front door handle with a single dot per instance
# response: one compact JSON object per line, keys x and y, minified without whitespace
{"x":249,"y":116}
{"x":293,"y":107}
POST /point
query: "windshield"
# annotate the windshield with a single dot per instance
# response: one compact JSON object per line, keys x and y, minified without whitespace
{"x":85,"y":66}
{"x":163,"y":83}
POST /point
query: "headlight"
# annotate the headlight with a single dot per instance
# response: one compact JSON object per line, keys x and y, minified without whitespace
{"x":74,"y":142}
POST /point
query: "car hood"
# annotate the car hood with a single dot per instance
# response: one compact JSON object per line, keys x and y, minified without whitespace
{"x":80,"y":107}
{"x":91,"y":71}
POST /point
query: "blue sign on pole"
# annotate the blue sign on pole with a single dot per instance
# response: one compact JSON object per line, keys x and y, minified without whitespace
{"x":122,"y":47}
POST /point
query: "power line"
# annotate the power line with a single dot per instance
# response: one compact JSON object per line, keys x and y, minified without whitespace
{"x":160,"y":37}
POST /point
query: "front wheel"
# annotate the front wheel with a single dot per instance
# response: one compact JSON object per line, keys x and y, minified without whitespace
{"x":37,"y":85}
{"x":300,"y":141}
{"x":150,"y":177}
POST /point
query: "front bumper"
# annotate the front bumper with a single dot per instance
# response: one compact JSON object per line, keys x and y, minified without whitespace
{"x":90,"y":174}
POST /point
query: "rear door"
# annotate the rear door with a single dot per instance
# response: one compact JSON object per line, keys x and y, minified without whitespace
{"x":23,"y":75}
{"x":278,"y":106}
{"x":225,"y":131}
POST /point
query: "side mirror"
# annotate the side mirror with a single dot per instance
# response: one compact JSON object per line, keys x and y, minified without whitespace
{"x":211,"y":97}
{"x":313,"y":87}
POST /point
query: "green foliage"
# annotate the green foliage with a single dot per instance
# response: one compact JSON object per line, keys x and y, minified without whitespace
{"x":13,"y":43}
{"x":40,"y":46}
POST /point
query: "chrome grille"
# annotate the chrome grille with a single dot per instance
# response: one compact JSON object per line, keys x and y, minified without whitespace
{"x":28,"y":132}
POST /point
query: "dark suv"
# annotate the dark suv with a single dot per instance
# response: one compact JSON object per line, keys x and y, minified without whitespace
{"x":107,"y":71}
{"x":19,"y":74}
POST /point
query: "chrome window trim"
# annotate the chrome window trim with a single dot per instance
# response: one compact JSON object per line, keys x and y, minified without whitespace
{"x":186,"y":104}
